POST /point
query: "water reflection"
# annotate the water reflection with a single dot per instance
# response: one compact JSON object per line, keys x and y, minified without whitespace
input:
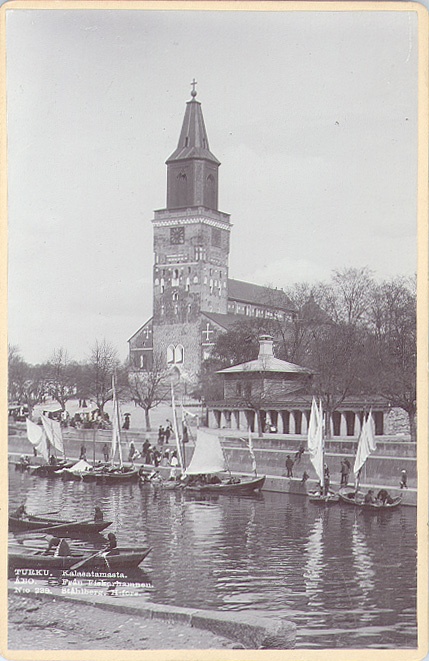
{"x":347,"y":580}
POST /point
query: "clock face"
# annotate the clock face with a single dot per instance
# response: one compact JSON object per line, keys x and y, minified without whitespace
{"x":177,"y":235}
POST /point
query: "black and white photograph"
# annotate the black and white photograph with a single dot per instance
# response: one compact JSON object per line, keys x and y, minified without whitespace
{"x":217,"y":275}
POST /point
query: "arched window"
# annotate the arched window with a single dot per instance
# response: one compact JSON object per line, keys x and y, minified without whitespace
{"x":179,"y":354}
{"x":170,"y":355}
{"x":175,"y":278}
{"x":175,"y":296}
{"x":162,"y":285}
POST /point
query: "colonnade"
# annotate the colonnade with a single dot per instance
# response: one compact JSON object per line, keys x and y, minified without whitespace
{"x":292,"y":421}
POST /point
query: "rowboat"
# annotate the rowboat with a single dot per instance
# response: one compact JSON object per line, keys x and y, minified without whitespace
{"x":208,"y":463}
{"x":56,"y":526}
{"x":119,"y":475}
{"x":349,"y":496}
{"x":35,"y":559}
{"x":240,"y":486}
{"x":330,"y":498}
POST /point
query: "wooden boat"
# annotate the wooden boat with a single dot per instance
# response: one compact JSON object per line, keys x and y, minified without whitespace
{"x":47,"y":470}
{"x":31,"y":558}
{"x":116,"y":475}
{"x":317,"y":498}
{"x":349,"y":496}
{"x":209,"y":460}
{"x":381,"y":507}
{"x":239,"y":486}
{"x":56,"y":526}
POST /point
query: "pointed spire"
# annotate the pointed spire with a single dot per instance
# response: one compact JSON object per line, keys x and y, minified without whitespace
{"x":193,"y":141}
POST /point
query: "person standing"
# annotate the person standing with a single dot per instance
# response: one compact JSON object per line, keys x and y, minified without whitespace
{"x":289,"y":466}
{"x":82,"y":452}
{"x":106,"y":452}
{"x":345,"y":471}
{"x":404,"y":478}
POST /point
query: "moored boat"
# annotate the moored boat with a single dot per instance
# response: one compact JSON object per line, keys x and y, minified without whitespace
{"x":208,"y":464}
{"x":236,"y":485}
{"x":126,"y":558}
{"x":349,"y":496}
{"x":317,"y":498}
{"x":56,"y":526}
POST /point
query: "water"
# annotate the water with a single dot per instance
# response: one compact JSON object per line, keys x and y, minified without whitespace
{"x":346,"y":579}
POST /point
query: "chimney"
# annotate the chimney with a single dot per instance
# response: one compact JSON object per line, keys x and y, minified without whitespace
{"x":265,"y":346}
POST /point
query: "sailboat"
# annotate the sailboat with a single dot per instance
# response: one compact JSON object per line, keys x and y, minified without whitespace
{"x":208,"y":461}
{"x":116,"y":472}
{"x":366,"y":447}
{"x":316,"y":447}
{"x":44,"y":439}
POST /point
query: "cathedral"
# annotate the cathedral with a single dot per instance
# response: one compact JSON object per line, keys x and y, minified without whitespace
{"x":194,"y":299}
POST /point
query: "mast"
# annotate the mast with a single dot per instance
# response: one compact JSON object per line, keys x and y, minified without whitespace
{"x":176,"y":431}
{"x":116,"y":427}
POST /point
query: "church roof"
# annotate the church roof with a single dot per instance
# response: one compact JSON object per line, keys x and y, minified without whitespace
{"x":246,"y":292}
{"x":193,"y":140}
{"x":226,"y":321}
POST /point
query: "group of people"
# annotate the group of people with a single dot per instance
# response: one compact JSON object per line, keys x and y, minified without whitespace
{"x":383,"y":498}
{"x":164,"y":433}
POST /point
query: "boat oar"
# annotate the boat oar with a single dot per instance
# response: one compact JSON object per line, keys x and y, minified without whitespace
{"x":80,"y":564}
{"x":46,"y":513}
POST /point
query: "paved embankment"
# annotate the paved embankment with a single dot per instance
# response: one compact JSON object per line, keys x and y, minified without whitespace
{"x":383,"y":470}
{"x":58,"y":621}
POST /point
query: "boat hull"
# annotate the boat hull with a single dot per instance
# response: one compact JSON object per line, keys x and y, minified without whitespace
{"x":245,"y":486}
{"x":118,"y":477}
{"x":330,"y":499}
{"x":59,"y":527}
{"x":36,"y":560}
{"x":349,"y":496}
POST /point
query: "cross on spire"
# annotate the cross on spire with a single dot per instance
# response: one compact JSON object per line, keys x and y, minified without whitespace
{"x":194,"y":91}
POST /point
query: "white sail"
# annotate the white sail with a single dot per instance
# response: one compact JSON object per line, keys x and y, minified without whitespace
{"x":53,"y":432}
{"x":366,"y":445}
{"x":312,"y":427}
{"x":317,"y":455}
{"x":37,"y":438}
{"x":208,"y":455}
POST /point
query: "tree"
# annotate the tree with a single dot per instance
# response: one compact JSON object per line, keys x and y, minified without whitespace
{"x":26,"y":383}
{"x":102,"y":364}
{"x":148,"y":389}
{"x":346,"y":298}
{"x":394,"y":345}
{"x":61,"y":377}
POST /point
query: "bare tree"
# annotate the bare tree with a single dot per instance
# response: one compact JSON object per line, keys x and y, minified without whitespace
{"x":102,"y":364}
{"x":346,"y":298}
{"x":148,"y":389}
{"x":26,"y":383}
{"x":61,"y":377}
{"x":394,"y":345}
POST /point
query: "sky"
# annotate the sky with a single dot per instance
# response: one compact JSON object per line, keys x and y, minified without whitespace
{"x":313,"y":116}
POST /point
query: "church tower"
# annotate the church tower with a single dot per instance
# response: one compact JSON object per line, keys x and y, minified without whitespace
{"x":191,"y":247}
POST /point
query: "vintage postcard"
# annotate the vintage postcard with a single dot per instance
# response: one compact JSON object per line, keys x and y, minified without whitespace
{"x":216,"y":343}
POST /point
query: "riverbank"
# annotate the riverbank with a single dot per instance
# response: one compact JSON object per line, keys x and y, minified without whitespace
{"x":56,"y":621}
